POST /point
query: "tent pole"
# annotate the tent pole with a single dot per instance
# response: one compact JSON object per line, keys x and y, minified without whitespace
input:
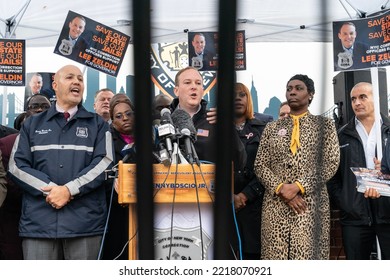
{"x":359,"y":12}
{"x":12,"y":20}
{"x":375,"y":89}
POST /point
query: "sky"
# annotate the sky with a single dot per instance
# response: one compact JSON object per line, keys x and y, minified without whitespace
{"x":271,"y":65}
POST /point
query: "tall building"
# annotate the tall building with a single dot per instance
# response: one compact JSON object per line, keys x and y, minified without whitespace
{"x":254,"y":97}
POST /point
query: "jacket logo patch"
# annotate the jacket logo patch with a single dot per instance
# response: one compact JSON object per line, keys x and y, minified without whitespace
{"x":43,"y":131}
{"x":82,"y":132}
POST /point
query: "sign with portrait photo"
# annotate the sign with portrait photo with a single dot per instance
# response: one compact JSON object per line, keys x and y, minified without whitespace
{"x":92,"y":44}
{"x":169,"y":58}
{"x":39,"y":83}
{"x":203,"y":50}
{"x":363,"y":43}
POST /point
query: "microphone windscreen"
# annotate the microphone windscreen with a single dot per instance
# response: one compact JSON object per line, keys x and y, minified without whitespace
{"x":165,"y":111}
{"x":165,"y":116}
{"x":181,"y":119}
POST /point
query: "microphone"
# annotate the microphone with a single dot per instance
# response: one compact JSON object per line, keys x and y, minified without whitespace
{"x":187,"y":144}
{"x":164,"y":156}
{"x":128,"y":152}
{"x":166,"y":129}
{"x":165,"y":116}
{"x":185,"y":125}
{"x":195,"y":155}
{"x":181,"y":119}
{"x":186,"y":132}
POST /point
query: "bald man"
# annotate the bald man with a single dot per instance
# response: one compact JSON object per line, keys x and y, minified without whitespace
{"x":364,"y":216}
{"x":58,"y":161}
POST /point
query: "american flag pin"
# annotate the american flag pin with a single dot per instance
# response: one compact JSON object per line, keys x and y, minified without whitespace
{"x":203,"y":132}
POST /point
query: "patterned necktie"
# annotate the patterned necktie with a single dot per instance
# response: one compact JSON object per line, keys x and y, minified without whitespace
{"x":66,"y":116}
{"x":295,"y":143}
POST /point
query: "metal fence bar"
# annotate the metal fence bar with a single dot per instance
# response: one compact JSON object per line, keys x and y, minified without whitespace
{"x":143,"y":128}
{"x":225,"y":99}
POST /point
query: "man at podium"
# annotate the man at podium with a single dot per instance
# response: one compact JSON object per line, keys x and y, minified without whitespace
{"x":189,"y":91}
{"x":190,"y":225}
{"x":183,"y":214}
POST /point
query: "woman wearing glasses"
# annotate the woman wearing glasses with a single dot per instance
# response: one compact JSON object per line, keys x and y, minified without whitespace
{"x":38,"y":103}
{"x":122,"y":125}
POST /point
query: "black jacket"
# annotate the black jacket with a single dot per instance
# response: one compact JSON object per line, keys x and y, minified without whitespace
{"x":245,"y":181}
{"x":118,"y":224}
{"x":355,"y":209}
{"x":203,"y":127}
{"x":206,"y":137}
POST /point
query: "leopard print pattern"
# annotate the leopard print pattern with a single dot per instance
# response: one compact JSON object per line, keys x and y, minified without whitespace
{"x":284,"y":234}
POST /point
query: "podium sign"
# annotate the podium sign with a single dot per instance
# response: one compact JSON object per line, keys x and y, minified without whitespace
{"x":178,"y":234}
{"x":183,"y":181}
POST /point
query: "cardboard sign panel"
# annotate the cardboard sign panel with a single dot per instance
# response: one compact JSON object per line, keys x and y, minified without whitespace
{"x":91,"y":43}
{"x":362,"y":43}
{"x":12,"y":62}
{"x":203,"y":50}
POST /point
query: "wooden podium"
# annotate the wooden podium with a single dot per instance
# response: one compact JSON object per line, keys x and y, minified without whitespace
{"x":166,"y":180}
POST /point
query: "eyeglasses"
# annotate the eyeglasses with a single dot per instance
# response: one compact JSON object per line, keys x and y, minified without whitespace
{"x":37,"y":106}
{"x":128,"y":114}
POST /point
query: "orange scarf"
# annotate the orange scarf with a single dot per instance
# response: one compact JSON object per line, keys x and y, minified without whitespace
{"x":295,"y":133}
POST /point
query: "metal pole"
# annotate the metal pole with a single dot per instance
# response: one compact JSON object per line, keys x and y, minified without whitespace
{"x":143,"y":128}
{"x":225,"y":98}
{"x":375,"y":89}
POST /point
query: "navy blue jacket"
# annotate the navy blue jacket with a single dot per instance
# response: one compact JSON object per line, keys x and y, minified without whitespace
{"x":50,"y":151}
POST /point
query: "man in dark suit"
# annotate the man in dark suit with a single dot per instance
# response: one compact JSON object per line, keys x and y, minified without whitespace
{"x":200,"y":57}
{"x":348,"y":52}
{"x":71,"y":43}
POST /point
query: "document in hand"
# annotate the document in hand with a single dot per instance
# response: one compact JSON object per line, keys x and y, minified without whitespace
{"x":371,"y":178}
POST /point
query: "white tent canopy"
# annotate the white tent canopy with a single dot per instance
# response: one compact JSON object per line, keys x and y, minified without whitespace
{"x":263,"y":21}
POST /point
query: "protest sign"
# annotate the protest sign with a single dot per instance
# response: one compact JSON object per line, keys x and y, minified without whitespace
{"x":169,"y":58}
{"x":12,"y":62}
{"x":203,"y":50}
{"x":92,"y":44}
{"x":363,"y":43}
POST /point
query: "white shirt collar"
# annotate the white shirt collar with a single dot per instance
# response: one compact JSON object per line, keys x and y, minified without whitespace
{"x":72,"y":111}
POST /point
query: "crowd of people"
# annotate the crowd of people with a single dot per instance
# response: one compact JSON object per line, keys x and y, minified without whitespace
{"x":56,"y":202}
